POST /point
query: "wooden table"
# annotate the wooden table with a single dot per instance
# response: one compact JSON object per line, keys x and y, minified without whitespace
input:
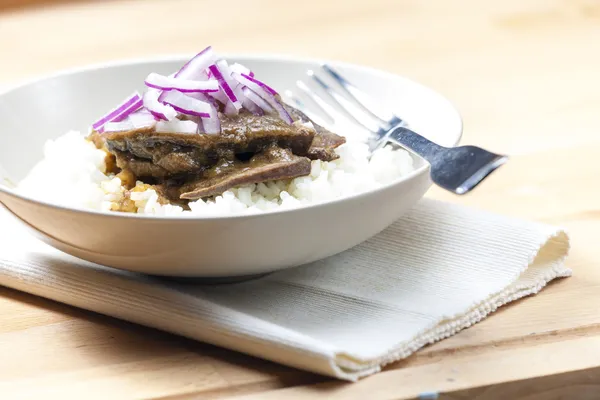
{"x":525,"y":75}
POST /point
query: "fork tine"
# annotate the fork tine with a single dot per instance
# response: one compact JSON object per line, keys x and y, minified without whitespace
{"x":339,"y":123}
{"x":302,"y":107}
{"x":383,"y":114}
{"x":328,"y":110}
{"x":356,"y":113}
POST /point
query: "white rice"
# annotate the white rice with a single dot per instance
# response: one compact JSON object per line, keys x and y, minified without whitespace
{"x":73,"y":173}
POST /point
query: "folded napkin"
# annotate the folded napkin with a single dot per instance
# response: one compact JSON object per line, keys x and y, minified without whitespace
{"x":439,"y":269}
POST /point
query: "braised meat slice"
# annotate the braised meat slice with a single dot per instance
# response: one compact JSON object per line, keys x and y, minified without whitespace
{"x":324,"y":143}
{"x":148,"y":153}
{"x":323,"y":146}
{"x":249,"y":149}
{"x":271,"y":164}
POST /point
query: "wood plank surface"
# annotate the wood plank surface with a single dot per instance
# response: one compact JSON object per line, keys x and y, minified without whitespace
{"x":26,"y":4}
{"x":523,"y":73}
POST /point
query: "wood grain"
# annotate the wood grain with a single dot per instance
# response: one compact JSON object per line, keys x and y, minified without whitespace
{"x":524,"y":74}
{"x":20,"y":5}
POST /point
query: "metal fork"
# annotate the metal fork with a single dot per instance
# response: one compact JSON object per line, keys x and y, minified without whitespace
{"x":457,"y":169}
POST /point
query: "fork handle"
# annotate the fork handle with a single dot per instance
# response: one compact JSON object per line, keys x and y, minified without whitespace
{"x":414,"y":142}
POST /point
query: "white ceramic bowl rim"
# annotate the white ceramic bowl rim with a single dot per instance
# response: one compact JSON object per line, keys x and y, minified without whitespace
{"x":184,"y":57}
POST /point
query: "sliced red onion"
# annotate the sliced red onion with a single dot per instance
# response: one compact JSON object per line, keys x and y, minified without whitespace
{"x":216,"y":72}
{"x":256,"y":99}
{"x":233,"y":84}
{"x":200,"y":129}
{"x":252,"y":107}
{"x":186,"y":104}
{"x":194,"y":68}
{"x":119,"y":113}
{"x":259,"y":83}
{"x":220,"y":95}
{"x":142,"y":119}
{"x":136,"y":106}
{"x":240,"y":69}
{"x":246,"y":103}
{"x":158,"y":109}
{"x":162,"y":82}
{"x":230,"y":110}
{"x":212,"y":125}
{"x":118,"y":126}
{"x":266,"y":95}
{"x":249,"y":104}
{"x":204,"y":97}
{"x":177,"y":126}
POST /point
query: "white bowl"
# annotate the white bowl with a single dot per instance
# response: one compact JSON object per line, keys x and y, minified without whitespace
{"x":204,"y":247}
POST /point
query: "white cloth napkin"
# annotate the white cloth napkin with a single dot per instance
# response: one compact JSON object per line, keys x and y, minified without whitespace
{"x":440,"y":269}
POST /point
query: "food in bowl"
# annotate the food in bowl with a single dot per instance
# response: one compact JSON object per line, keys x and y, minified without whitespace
{"x":209,"y":139}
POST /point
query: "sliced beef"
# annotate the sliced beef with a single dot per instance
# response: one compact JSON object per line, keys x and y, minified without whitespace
{"x":323,"y":146}
{"x":324,"y":143}
{"x":155,"y":154}
{"x":249,"y":149}
{"x":271,"y":164}
{"x":139,"y":167}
